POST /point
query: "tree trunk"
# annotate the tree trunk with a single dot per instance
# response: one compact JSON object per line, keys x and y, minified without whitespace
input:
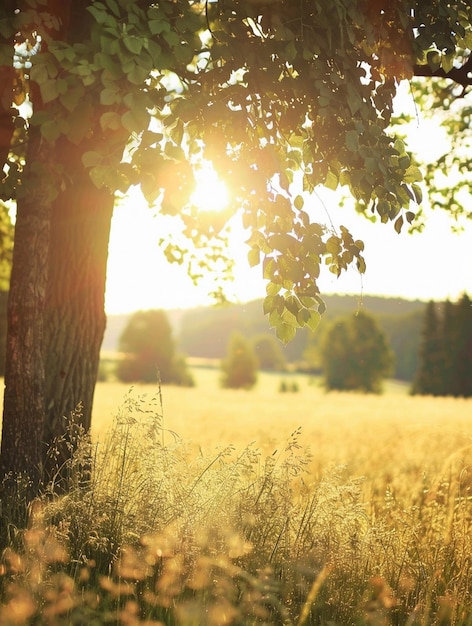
{"x":23,"y":412}
{"x":74,"y":315}
{"x":56,"y":317}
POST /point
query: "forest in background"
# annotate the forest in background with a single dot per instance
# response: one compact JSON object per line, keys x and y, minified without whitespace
{"x":204,"y":332}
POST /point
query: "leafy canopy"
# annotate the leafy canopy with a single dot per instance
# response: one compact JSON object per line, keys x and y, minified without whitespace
{"x":280,"y":97}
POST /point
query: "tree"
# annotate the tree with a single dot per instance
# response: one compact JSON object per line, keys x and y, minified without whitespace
{"x":240,"y":365}
{"x":462,"y":378}
{"x":90,"y":91}
{"x":268,"y":352}
{"x":445,"y":355}
{"x":431,"y":376}
{"x":268,"y":92}
{"x":149,"y":351}
{"x":355,"y":354}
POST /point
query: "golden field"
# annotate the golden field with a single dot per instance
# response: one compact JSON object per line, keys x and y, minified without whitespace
{"x":215,"y":507}
{"x":371,"y":434}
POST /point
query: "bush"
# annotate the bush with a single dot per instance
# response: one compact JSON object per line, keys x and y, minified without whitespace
{"x":240,"y":365}
{"x":268,"y":352}
{"x":355,"y":354}
{"x":149,"y":352}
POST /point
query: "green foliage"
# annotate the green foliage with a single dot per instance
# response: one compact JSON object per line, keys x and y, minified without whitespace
{"x":281,"y":98}
{"x":268,"y":352}
{"x":403,"y":335}
{"x":355,"y":354}
{"x":149,"y":351}
{"x":239,"y":368}
{"x":430,"y":375}
{"x":445,"y":367}
{"x":205,"y":332}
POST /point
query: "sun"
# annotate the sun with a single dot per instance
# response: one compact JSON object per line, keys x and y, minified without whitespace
{"x":211,"y":193}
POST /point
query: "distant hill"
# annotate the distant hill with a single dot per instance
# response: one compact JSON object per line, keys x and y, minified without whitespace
{"x":204,"y":331}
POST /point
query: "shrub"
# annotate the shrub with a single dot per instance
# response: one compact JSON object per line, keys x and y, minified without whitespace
{"x":268,"y":352}
{"x":149,"y":351}
{"x":240,"y":365}
{"x":355,"y":354}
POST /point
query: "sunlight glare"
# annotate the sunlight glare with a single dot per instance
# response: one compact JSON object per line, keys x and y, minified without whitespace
{"x":211,"y":193}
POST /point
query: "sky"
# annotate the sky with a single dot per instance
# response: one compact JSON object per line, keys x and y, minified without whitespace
{"x":435,"y":264}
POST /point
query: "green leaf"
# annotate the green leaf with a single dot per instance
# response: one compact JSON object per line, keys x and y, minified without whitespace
{"x":91,"y":159}
{"x":254,"y":257}
{"x":48,"y":90}
{"x":361,"y":266}
{"x":100,"y":174}
{"x":137,"y":74}
{"x":418,"y":192}
{"x":321,"y":304}
{"x":134,"y":121}
{"x":174,"y":152}
{"x":331,"y":181}
{"x":298,"y":202}
{"x":158,"y":26}
{"x":39,"y":73}
{"x":172,"y":38}
{"x":268,"y":304}
{"x":398,"y":224}
{"x":110,"y":121}
{"x":285,"y":332}
{"x":352,"y":140}
{"x":113,"y":6}
{"x":108,"y":97}
{"x":447,"y":62}
{"x":413,"y":175}
{"x":150,"y":188}
{"x":133,"y":44}
{"x":50,"y":130}
{"x":333,"y":245}
{"x":275,"y":318}
{"x":101,"y":17}
{"x":272,"y":289}
{"x":72,"y":97}
{"x":314,"y":319}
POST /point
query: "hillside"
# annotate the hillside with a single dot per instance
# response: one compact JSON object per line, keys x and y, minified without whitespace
{"x":204,"y":332}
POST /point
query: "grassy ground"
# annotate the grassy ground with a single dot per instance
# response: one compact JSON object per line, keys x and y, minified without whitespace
{"x":367,"y":432}
{"x":298,"y":508}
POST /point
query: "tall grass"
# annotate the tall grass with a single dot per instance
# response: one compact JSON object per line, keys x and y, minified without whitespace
{"x":353,"y":527}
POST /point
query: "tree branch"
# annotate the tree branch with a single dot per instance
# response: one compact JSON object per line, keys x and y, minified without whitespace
{"x":460,"y":75}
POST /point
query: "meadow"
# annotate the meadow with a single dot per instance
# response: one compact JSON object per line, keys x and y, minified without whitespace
{"x":212,"y":506}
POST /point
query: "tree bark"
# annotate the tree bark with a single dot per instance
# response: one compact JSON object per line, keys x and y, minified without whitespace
{"x":74,"y":313}
{"x":56,"y":317}
{"x":23,"y":413}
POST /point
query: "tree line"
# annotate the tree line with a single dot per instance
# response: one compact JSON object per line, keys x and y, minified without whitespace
{"x":351,"y":352}
{"x":446,"y":350}
{"x":204,"y":332}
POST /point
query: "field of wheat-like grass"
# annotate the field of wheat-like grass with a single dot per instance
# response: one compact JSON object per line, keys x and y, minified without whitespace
{"x":206,"y":506}
{"x":375,"y":435}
